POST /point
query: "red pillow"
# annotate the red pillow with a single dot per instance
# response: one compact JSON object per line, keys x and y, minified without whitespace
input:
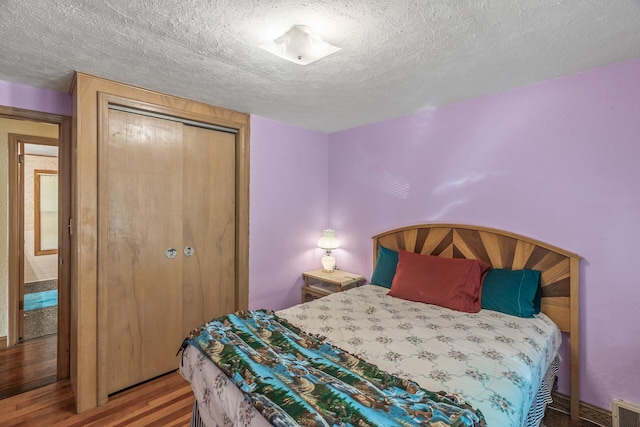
{"x":454,"y":283}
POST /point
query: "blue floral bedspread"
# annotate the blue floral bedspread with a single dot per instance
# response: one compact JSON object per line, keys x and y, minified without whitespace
{"x":293,"y":378}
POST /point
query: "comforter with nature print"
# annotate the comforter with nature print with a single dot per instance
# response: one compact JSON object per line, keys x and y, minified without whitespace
{"x":293,"y":378}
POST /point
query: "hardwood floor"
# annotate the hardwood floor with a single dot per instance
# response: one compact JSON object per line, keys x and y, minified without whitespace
{"x":28,"y":365}
{"x":556,"y":418}
{"x":164,"y":401}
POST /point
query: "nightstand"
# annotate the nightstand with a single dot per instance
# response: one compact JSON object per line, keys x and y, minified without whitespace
{"x":319,"y":283}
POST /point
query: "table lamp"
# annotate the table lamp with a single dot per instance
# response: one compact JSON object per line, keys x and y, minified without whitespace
{"x":328,"y":242}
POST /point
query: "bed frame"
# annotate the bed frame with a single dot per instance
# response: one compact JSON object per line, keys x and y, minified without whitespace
{"x":502,"y":249}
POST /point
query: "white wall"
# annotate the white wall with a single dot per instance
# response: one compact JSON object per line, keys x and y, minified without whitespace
{"x":41,"y":267}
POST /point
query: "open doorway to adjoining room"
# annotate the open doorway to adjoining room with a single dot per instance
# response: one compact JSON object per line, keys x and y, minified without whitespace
{"x":35,"y":252}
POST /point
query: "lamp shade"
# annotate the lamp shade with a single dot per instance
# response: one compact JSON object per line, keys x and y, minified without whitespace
{"x":328,"y":241}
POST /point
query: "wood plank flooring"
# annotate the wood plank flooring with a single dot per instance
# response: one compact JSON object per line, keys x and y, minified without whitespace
{"x":164,"y":401}
{"x":556,"y":418}
{"x":28,"y":365}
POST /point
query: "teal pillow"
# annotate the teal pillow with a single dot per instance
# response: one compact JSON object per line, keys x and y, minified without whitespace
{"x":515,"y":292}
{"x":385,"y":267}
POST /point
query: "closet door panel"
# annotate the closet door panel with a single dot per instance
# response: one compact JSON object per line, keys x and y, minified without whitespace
{"x":144,"y":218}
{"x":209,"y":286}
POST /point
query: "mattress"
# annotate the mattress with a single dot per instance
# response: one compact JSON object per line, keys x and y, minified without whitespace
{"x":493,"y":361}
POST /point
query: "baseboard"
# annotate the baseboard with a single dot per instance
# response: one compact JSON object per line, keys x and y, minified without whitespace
{"x":3,"y":342}
{"x":588,"y":412}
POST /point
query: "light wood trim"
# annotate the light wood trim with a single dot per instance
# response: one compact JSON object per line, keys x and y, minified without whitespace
{"x":102,"y":381}
{"x":64,"y":242}
{"x":3,"y":343}
{"x":15,"y":237}
{"x":84,"y":246}
{"x":36,"y":212}
{"x":20,"y":264}
{"x":85,"y":90}
{"x":74,"y":287}
{"x":242,"y":214}
{"x":15,"y":113}
{"x":503,"y":249}
{"x":16,"y":231}
{"x":587,"y":411}
{"x":575,"y":338}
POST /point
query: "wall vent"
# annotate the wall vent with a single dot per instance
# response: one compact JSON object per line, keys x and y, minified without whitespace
{"x":625,"y":414}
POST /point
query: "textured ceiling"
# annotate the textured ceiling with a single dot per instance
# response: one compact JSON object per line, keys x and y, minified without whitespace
{"x":397,"y":56}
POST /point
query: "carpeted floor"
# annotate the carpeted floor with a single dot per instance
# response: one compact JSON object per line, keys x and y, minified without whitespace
{"x":42,"y":321}
{"x":44,"y":285}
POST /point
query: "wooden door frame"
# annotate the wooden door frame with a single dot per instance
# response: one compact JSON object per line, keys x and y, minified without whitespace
{"x":16,"y":234}
{"x":64,"y":203}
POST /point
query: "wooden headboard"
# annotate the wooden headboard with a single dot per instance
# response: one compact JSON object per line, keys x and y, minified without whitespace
{"x":502,"y":249}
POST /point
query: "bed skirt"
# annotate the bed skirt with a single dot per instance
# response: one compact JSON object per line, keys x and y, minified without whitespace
{"x":195,"y":417}
{"x":543,"y":397}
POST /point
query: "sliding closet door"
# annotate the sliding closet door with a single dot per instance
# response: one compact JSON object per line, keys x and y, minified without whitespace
{"x":209,"y":225}
{"x":144,"y":218}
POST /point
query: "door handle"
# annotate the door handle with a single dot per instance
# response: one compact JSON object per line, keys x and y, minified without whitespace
{"x":171,"y":253}
{"x":188,"y":251}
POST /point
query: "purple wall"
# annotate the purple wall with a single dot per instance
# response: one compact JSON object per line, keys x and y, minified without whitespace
{"x":289,"y":199}
{"x":556,"y":161}
{"x":32,"y":98}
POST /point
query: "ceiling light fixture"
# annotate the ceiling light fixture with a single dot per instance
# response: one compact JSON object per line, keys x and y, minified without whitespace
{"x":300,"y":45}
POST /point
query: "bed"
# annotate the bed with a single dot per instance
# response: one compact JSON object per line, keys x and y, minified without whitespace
{"x":500,"y":364}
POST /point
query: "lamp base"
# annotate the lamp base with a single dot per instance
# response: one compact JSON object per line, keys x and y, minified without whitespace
{"x":328,"y":264}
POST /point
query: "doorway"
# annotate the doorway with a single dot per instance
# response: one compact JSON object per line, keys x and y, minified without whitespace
{"x":37,"y":288}
{"x":30,"y":317}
